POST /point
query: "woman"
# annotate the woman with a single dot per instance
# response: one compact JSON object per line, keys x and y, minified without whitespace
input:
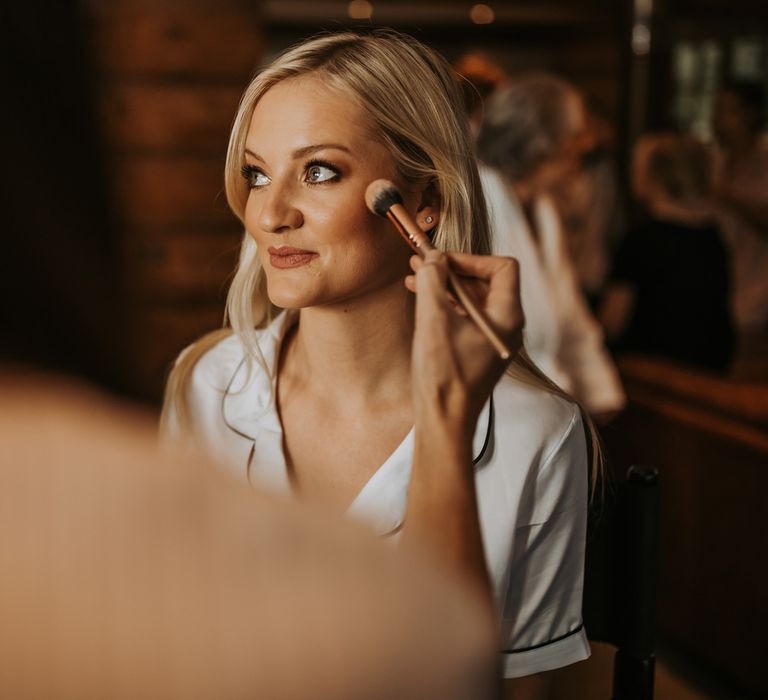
{"x":532,"y":138}
{"x":321,"y":398}
{"x":669,"y":289}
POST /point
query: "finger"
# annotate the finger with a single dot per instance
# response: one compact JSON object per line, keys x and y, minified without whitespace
{"x":468,"y":265}
{"x":431,"y":287}
{"x":501,"y":274}
{"x":410,"y":285}
{"x":492,"y":279}
{"x":483,"y":267}
{"x":432,"y":272}
{"x":501,"y":278}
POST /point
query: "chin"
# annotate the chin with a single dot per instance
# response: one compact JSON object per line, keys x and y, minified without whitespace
{"x":289,"y":294}
{"x":288,"y":299}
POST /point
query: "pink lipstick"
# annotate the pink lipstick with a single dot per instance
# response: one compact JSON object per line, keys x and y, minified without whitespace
{"x":284,"y":257}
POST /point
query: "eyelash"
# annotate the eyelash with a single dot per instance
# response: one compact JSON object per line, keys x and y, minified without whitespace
{"x":250,"y":172}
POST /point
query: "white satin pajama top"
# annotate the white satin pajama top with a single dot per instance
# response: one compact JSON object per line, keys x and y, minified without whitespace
{"x":531,"y":478}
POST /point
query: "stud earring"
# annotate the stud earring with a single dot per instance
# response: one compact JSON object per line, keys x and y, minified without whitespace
{"x":429,"y":220}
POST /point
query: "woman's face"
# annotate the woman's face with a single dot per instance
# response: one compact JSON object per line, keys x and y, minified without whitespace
{"x":309,"y":158}
{"x":565,"y":161}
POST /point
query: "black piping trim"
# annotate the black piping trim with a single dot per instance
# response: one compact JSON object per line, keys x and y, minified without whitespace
{"x":224,"y":398}
{"x":250,"y":462}
{"x":252,"y":451}
{"x":487,"y":434}
{"x":543,"y":644}
{"x":394,"y":531}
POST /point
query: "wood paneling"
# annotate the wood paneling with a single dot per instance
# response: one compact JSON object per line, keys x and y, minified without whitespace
{"x":181,"y":267}
{"x":160,"y":332}
{"x":170,"y":74}
{"x":708,"y":437}
{"x":196,"y":41}
{"x":172,"y":192}
{"x":594,"y":57}
{"x":171,"y":119}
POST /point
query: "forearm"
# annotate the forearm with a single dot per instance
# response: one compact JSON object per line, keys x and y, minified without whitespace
{"x":536,"y":687}
{"x":616,"y":309}
{"x":442,"y":501}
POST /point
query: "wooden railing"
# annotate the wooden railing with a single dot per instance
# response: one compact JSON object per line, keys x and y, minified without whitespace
{"x":708,"y":437}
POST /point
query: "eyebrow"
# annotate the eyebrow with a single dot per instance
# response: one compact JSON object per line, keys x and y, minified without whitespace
{"x":305,"y":151}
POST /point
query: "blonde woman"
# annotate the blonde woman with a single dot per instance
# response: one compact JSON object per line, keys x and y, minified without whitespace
{"x":331,"y":383}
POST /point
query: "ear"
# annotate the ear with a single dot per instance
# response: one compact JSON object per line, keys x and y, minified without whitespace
{"x":428,"y":213}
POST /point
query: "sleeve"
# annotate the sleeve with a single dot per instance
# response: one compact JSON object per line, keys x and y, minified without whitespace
{"x":191,"y":414}
{"x":542,"y":627}
{"x":582,"y":353}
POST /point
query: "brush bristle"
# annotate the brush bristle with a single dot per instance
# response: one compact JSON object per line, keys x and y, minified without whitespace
{"x":380,"y":195}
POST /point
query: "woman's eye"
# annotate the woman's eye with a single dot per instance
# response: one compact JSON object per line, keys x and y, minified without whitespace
{"x":320,"y":173}
{"x":254,"y":177}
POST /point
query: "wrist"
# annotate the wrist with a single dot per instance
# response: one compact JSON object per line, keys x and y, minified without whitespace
{"x":443,"y":443}
{"x":448,"y":424}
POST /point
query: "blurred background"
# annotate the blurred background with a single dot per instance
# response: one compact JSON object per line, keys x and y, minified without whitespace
{"x":119,"y":245}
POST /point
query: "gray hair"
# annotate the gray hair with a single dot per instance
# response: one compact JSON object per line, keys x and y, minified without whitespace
{"x":525,"y":124}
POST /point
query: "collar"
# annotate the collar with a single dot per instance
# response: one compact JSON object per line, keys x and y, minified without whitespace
{"x":248,"y":409}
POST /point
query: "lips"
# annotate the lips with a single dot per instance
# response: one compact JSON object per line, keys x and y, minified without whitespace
{"x":283,"y":257}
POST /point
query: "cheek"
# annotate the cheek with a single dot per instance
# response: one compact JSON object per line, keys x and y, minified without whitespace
{"x":371,"y":249}
{"x":250,"y":217}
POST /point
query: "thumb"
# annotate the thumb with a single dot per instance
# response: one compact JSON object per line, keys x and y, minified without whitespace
{"x":431,"y":290}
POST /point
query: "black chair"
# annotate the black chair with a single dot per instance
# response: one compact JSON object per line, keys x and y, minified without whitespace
{"x":620,"y":579}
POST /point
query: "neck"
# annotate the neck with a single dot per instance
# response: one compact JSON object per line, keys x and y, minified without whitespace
{"x":357,"y":351}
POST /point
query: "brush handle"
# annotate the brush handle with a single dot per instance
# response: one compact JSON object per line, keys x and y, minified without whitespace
{"x":421,"y":244}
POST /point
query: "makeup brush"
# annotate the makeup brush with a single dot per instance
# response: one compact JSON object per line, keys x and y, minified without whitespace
{"x":384,"y":199}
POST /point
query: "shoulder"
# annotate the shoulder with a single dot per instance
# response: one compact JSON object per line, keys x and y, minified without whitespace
{"x":216,"y":364}
{"x":535,"y":419}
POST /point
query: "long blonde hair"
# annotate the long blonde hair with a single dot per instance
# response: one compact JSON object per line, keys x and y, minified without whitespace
{"x":414,"y":105}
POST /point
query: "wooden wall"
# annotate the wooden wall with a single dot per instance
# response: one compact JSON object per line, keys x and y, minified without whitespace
{"x":60,"y":304}
{"x":584,"y":40}
{"x":708,"y":437}
{"x":169,"y":75}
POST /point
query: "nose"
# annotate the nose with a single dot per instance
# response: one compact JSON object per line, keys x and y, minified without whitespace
{"x":278,"y":212}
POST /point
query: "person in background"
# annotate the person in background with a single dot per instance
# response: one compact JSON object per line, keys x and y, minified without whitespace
{"x":589,"y":207}
{"x":531,"y":139}
{"x":741,"y":193}
{"x":479,"y":76}
{"x":668,"y":293}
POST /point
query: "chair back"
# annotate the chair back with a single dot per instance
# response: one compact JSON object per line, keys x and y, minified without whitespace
{"x":620,"y":579}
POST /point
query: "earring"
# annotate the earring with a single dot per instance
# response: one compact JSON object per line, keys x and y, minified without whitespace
{"x":429,"y":220}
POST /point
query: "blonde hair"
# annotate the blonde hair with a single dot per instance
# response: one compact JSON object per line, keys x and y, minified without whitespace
{"x":414,"y":106}
{"x":676,"y":164}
